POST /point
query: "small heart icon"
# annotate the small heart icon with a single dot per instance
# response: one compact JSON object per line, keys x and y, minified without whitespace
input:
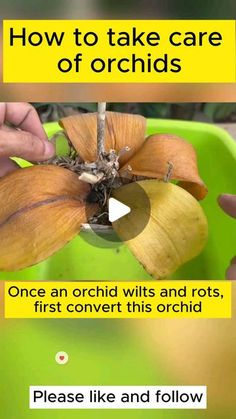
{"x":61,"y":358}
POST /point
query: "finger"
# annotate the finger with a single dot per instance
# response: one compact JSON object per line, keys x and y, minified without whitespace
{"x":231,"y":271}
{"x":7,"y":166}
{"x":25,"y":145}
{"x":12,"y":130}
{"x":228,"y":204}
{"x":233,"y":260}
{"x":24,"y":116}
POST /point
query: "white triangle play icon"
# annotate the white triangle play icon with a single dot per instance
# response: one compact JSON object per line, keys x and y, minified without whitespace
{"x":117,"y":209}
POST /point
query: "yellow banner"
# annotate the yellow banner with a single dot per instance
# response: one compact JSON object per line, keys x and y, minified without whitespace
{"x":118,"y":51}
{"x":150,"y":299}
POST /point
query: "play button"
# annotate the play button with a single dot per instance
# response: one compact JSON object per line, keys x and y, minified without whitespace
{"x":117,"y":210}
{"x":127,"y":210}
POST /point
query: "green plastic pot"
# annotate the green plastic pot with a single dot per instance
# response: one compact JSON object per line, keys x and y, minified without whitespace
{"x":81,"y":260}
{"x":116,"y":352}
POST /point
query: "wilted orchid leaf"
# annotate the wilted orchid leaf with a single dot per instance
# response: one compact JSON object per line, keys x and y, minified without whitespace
{"x":121,"y":130}
{"x":175,"y":233}
{"x":157,"y":152}
{"x":44,"y":207}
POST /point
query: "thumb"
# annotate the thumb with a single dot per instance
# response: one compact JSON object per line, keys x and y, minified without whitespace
{"x":15,"y":143}
{"x":228,"y":204}
{"x":231,"y":271}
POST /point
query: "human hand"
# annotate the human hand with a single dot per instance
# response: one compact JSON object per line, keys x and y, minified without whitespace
{"x":26,"y":137}
{"x":228,"y":204}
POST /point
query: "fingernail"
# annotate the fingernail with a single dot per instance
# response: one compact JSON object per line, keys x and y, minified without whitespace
{"x":231,"y":273}
{"x":225,"y":195}
{"x":49,"y":149}
{"x":233,"y":261}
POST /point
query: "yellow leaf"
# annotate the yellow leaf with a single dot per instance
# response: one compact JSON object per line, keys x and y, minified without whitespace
{"x":175,"y":233}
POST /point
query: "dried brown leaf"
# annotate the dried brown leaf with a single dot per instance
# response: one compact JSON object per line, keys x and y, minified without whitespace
{"x":121,"y":130}
{"x":44,"y":207}
{"x":153,"y":157}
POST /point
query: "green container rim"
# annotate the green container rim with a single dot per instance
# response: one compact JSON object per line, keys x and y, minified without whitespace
{"x":225,"y":137}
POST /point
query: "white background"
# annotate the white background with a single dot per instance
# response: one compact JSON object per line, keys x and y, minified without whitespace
{"x":118,"y":391}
